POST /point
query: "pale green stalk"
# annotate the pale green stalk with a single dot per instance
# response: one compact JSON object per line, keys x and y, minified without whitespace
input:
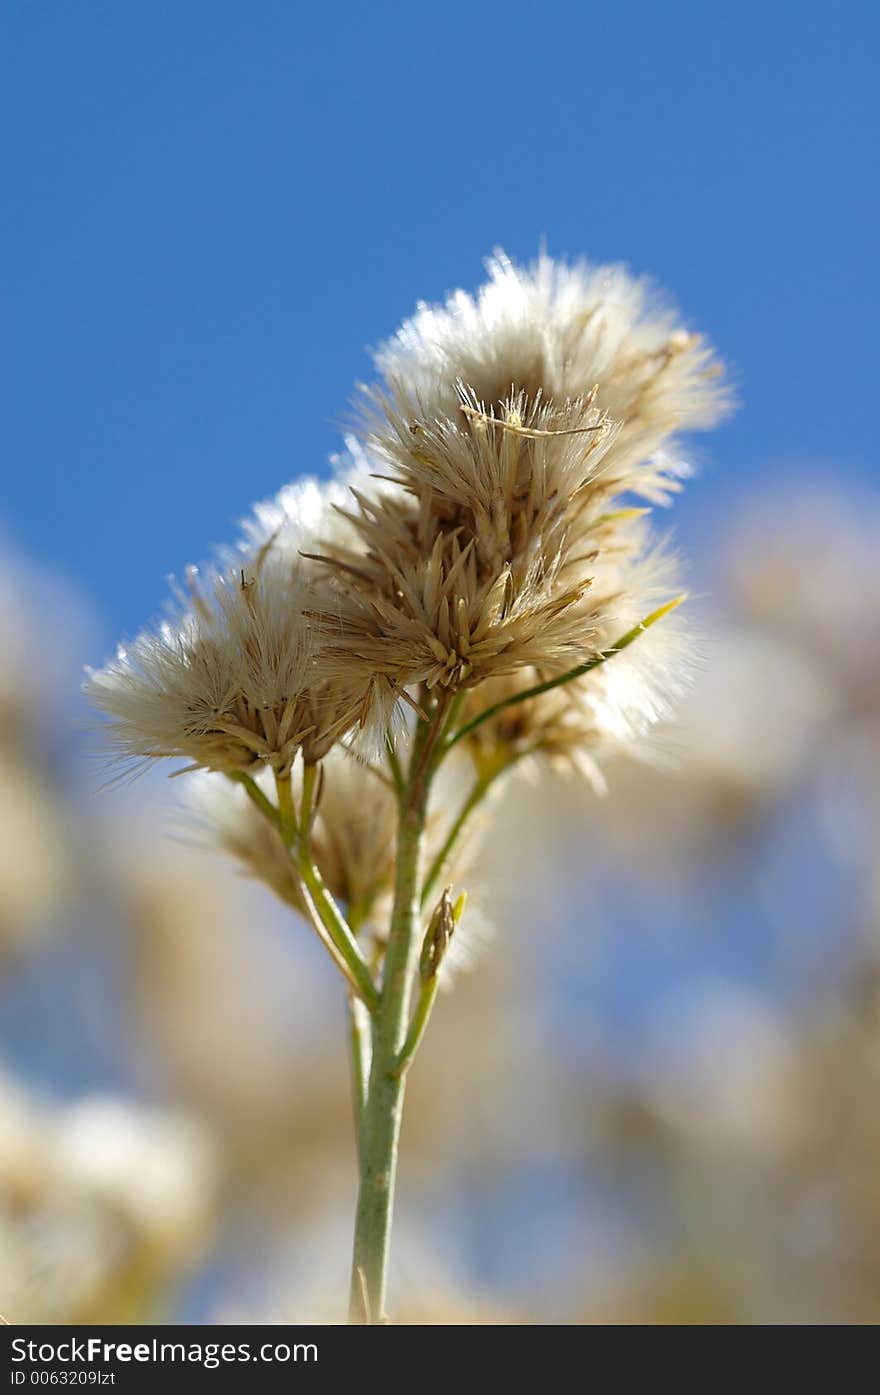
{"x":474,"y":797}
{"x":335,"y":924}
{"x":360,"y":1050}
{"x":360,"y":1037}
{"x":582,"y":669}
{"x":333,"y":928}
{"x":382,"y":1115}
{"x":421,"y":1017}
{"x":384,"y":1035}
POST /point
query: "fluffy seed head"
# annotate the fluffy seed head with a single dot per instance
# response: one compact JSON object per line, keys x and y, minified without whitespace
{"x":559,"y":331}
{"x":236,"y":680}
{"x":482,"y":530}
{"x":508,"y":432}
{"x":577,"y":725}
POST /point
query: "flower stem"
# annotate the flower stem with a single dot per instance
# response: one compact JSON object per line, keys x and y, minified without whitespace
{"x":475,"y":796}
{"x":421,"y":1016}
{"x":335,"y":924}
{"x":582,"y":669}
{"x":383,"y":1111}
{"x":478,"y":789}
{"x":394,"y":766}
{"x":359,"y":1044}
{"x":338,"y":930}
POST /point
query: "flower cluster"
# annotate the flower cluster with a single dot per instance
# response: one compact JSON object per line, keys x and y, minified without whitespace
{"x":518,"y":436}
{"x":482,"y":555}
{"x":486,"y":528}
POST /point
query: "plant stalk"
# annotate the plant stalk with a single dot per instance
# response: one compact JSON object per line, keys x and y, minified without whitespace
{"x":360,"y":1048}
{"x":582,"y":669}
{"x":478,"y":790}
{"x":383,"y":1108}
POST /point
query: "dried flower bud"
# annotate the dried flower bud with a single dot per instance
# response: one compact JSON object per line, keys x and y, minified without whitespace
{"x":438,"y":935}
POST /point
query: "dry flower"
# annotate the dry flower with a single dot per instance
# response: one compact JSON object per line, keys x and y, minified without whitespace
{"x":509,"y":431}
{"x":236,"y":682}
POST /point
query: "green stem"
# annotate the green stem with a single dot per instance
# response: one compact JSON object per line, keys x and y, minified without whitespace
{"x":360,"y":1034}
{"x":419,"y":1022}
{"x":263,"y":803}
{"x":394,"y":766}
{"x":286,"y":812}
{"x":384,"y":1105}
{"x":479,"y":788}
{"x":273,"y":814}
{"x":452,"y":716}
{"x":360,"y":1049}
{"x":332,"y":919}
{"x":335,"y":924}
{"x":307,"y":802}
{"x":477,"y":793}
{"x":602,"y":657}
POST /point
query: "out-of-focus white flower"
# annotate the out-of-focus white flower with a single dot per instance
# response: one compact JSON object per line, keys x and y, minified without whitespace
{"x":35,"y":871}
{"x":25,"y":1163}
{"x":157,"y":1169}
{"x":34,"y":671}
{"x":803,"y":562}
{"x":102,"y":1203}
{"x":756,"y":710}
{"x":725,"y":1071}
{"x":224,"y":817}
{"x":352,"y":837}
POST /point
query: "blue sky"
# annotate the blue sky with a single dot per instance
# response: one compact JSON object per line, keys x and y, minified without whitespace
{"x":213,"y":208}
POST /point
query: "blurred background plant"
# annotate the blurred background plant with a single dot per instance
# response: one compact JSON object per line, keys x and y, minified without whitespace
{"x":654,"y":1100}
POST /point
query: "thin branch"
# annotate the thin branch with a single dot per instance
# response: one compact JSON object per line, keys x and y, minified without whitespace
{"x":320,"y":930}
{"x":478,"y":789}
{"x":308,"y":802}
{"x":426,"y":759}
{"x":286,"y":811}
{"x":263,"y":803}
{"x":434,"y":947}
{"x":452,"y":716}
{"x":326,"y":916}
{"x":427,"y":994}
{"x":623,"y":643}
{"x":394,"y":765}
{"x":360,"y":1047}
{"x":274,"y":815}
{"x":336,"y":925}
